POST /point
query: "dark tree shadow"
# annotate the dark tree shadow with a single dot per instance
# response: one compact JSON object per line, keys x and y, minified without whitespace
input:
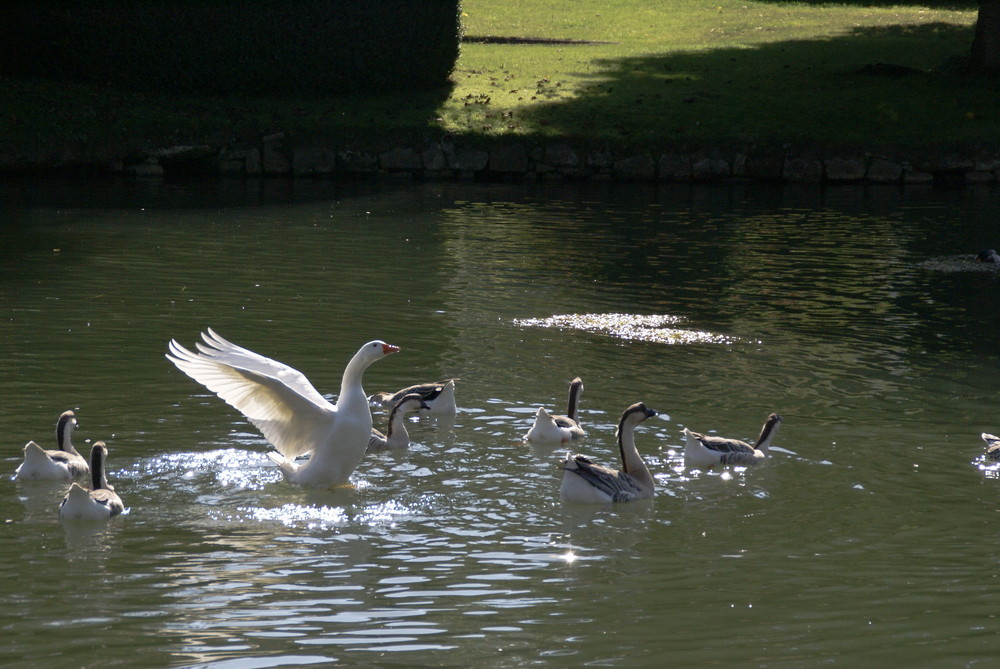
{"x":874,"y":85}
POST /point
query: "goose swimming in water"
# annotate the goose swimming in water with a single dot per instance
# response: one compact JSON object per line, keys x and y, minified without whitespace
{"x":64,"y":464}
{"x":396,"y":437}
{"x":97,"y":504}
{"x":988,"y":255}
{"x":556,"y":429}
{"x":440,"y":396}
{"x":584,"y":481}
{"x":704,"y":451}
{"x":992,"y":446}
{"x":287,"y":409}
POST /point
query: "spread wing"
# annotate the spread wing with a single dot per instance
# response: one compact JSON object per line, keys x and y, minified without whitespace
{"x":277,"y":399}
{"x":618,"y":485}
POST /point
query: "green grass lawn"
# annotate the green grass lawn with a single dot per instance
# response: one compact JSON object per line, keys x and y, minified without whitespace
{"x":615,"y":73}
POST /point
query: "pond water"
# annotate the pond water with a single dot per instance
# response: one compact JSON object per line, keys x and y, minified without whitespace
{"x":858,"y":314}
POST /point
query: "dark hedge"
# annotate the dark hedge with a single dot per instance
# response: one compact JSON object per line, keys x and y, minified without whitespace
{"x":238,"y":47}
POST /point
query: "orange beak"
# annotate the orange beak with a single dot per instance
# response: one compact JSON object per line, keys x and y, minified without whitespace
{"x":389,"y":348}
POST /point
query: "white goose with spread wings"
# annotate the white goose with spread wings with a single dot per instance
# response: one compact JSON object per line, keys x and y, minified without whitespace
{"x":290,"y":413}
{"x":584,"y":481}
{"x":703,"y":451}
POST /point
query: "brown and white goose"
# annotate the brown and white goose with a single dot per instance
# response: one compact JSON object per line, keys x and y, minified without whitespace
{"x":440,"y":397}
{"x":396,"y":437}
{"x":98,"y":504}
{"x":64,"y":464}
{"x":992,"y":446}
{"x":555,"y":429}
{"x":704,"y":451}
{"x":584,"y":481}
{"x":287,"y":409}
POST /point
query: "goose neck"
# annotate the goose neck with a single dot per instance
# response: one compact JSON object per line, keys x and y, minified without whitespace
{"x":632,"y":462}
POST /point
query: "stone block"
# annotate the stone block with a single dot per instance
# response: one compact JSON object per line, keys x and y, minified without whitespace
{"x":884,"y":171}
{"x":400,"y":159}
{"x":275,"y":154}
{"x":675,"y":167}
{"x":839,"y":168}
{"x":801,"y":169}
{"x":357,"y":162}
{"x":710,"y":168}
{"x":467,"y":160}
{"x":509,"y":159}
{"x":313,"y":160}
{"x":635,"y":168}
{"x":560,"y":155}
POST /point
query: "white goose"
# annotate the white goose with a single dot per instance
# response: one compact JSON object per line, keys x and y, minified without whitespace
{"x":555,"y":429}
{"x":287,"y":409}
{"x":583,"y":481}
{"x":440,"y":396}
{"x":992,"y":446}
{"x":396,"y":437}
{"x":97,"y":504}
{"x":703,"y":451}
{"x":64,"y":464}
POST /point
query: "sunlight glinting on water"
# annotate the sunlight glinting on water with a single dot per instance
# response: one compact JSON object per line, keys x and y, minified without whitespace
{"x":635,"y":327}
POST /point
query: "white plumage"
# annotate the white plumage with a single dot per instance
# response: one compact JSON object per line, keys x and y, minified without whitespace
{"x":555,"y":429}
{"x":98,"y":504}
{"x":287,"y":409}
{"x":64,"y":464}
{"x":704,"y":451}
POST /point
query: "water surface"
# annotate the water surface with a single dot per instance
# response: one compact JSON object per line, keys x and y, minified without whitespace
{"x":858,"y":314}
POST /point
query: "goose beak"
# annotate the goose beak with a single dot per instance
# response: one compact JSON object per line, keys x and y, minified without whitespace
{"x":389,"y":348}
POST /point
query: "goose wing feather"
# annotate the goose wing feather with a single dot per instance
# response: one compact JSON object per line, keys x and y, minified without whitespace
{"x":618,"y":485}
{"x":277,"y":399}
{"x":724,"y":445}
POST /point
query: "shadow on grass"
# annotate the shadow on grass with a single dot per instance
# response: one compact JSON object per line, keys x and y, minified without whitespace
{"x":881,"y":86}
{"x":956,"y":5}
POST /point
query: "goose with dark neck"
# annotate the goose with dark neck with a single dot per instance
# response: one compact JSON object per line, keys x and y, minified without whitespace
{"x":556,"y":429}
{"x":440,"y":397}
{"x":586,"y":482}
{"x":992,"y":446}
{"x":62,"y":464}
{"x":396,"y":437}
{"x":988,"y":256}
{"x":703,"y":451}
{"x":101,"y":501}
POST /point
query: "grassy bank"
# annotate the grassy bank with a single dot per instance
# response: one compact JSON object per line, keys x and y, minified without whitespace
{"x":619,"y":74}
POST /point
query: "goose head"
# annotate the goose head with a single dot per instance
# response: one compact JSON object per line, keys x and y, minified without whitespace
{"x":412,"y":402}
{"x":988,"y":255}
{"x":64,"y":430}
{"x":634,"y":415}
{"x":374,"y":350}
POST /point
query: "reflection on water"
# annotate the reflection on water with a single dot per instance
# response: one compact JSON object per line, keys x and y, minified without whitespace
{"x":637,"y":327}
{"x":858,"y":314}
